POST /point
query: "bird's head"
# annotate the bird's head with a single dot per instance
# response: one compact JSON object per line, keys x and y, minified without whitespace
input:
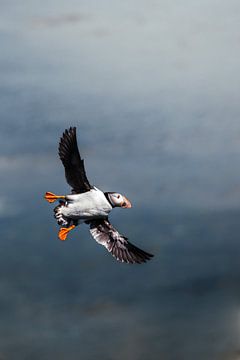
{"x":118,"y":200}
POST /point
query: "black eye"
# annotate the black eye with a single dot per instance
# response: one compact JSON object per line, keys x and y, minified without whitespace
{"x":118,"y":196}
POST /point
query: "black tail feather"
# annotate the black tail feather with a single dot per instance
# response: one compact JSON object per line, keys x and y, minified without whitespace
{"x":61,"y":220}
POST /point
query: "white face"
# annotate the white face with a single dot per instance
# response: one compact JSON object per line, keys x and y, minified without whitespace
{"x":119,"y":200}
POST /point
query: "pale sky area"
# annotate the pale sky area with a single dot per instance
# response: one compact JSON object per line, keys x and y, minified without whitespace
{"x":159,"y":79}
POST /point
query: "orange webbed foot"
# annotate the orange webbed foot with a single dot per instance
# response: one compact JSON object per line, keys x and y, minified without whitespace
{"x":63,"y":232}
{"x":50,"y":197}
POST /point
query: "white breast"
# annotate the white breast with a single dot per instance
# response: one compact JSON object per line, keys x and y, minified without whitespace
{"x":89,"y":205}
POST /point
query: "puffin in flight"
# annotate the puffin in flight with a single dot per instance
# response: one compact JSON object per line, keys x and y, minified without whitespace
{"x":87,"y":204}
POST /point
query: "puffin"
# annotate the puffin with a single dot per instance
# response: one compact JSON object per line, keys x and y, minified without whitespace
{"x":88,"y":204}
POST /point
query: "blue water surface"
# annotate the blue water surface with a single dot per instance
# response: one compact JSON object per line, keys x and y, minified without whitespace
{"x":153,"y":90}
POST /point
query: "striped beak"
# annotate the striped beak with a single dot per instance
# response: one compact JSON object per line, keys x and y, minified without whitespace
{"x":126,"y":203}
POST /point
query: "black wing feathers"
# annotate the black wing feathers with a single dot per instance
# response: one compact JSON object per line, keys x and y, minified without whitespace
{"x":72,"y":162}
{"x":118,"y":245}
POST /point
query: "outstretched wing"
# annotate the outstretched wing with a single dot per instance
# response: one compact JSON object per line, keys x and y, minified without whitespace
{"x":72,"y":162}
{"x":105,"y":234}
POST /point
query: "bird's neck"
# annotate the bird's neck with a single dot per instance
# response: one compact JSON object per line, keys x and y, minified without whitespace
{"x":108,"y":199}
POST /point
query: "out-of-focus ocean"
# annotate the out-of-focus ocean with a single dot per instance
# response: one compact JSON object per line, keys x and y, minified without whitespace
{"x":153,"y":88}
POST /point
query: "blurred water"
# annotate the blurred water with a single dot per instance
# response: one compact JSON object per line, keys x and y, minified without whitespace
{"x":152,"y":88}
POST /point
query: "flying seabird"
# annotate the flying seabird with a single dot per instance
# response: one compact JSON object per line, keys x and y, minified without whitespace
{"x":87,"y":204}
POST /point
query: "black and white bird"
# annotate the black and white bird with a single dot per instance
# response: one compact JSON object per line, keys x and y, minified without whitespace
{"x":87,"y":204}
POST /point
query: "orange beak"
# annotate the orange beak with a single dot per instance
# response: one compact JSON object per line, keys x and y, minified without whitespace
{"x":126,"y":203}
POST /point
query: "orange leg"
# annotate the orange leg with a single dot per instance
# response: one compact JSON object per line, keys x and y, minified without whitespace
{"x":50,"y":197}
{"x":63,"y":232}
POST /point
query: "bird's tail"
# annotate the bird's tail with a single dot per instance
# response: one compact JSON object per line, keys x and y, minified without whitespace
{"x":61,"y":220}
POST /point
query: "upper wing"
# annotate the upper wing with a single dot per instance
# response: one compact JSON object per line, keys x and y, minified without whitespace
{"x":105,"y":234}
{"x":73,"y":164}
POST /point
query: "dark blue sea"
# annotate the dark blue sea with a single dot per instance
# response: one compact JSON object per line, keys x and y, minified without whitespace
{"x":153,"y":89}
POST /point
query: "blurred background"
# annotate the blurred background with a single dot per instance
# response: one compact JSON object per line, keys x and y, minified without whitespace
{"x":153,"y":88}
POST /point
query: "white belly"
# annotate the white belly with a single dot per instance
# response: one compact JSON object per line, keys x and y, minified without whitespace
{"x":90,"y":205}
